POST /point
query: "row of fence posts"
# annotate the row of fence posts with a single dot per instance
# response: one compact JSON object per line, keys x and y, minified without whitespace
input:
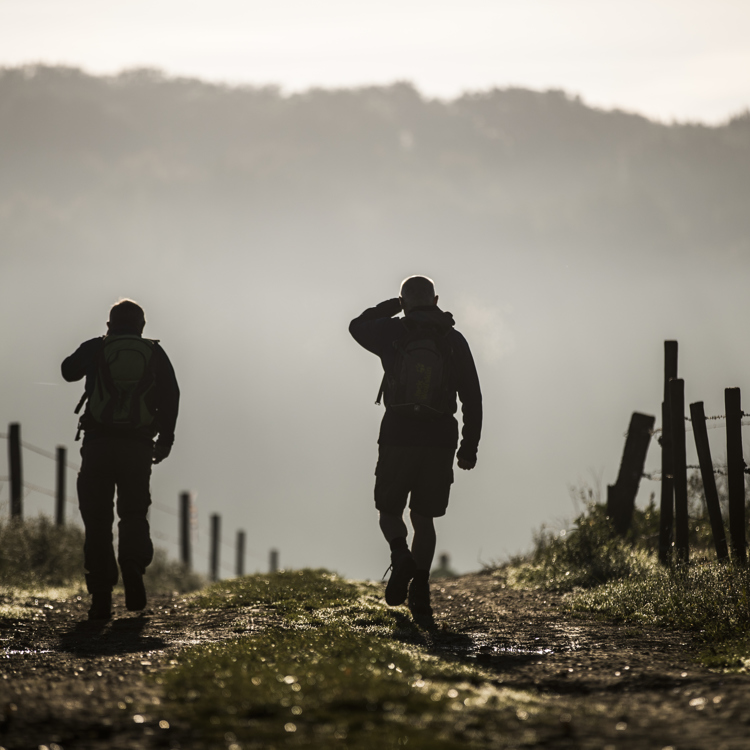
{"x":15,"y":466}
{"x":674,"y":522}
{"x":186,"y":555}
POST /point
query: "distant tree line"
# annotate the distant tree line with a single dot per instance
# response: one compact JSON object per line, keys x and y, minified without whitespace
{"x":81,"y":154}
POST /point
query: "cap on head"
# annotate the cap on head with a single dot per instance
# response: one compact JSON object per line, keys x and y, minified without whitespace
{"x":128,"y":315}
{"x":417,"y":291}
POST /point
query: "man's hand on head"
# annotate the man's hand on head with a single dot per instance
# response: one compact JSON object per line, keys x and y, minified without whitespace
{"x":465,"y":464}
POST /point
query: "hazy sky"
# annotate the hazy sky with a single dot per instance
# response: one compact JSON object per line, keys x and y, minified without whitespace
{"x":564,"y":354}
{"x":669,"y":59}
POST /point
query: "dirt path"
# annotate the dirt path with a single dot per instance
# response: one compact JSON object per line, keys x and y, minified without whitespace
{"x":65,"y":682}
{"x":643,"y":686}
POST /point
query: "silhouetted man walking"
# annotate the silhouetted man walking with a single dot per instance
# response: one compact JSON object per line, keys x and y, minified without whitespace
{"x":426,"y":363}
{"x":131,"y":396}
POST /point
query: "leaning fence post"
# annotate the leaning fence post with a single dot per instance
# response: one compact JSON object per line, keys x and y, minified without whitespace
{"x":698,"y":416}
{"x":666,"y":506}
{"x":60,"y":486}
{"x":185,"y":552}
{"x":215,"y":522}
{"x":273,"y":563}
{"x":240,"y":553}
{"x":16,"y":471}
{"x":679,"y":458}
{"x":621,"y":495}
{"x":735,"y":474}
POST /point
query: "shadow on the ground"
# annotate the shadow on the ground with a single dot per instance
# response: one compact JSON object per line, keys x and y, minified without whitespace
{"x":453,"y":645}
{"x":109,"y":638}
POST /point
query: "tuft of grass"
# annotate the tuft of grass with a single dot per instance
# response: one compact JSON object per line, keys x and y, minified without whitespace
{"x":291,"y":593}
{"x":587,"y":555}
{"x":706,"y":598}
{"x":332,"y":673}
{"x":36,"y":552}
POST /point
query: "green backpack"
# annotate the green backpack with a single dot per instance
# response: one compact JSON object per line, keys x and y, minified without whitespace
{"x":122,"y":392}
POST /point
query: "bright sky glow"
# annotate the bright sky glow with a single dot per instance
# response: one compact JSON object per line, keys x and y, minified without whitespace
{"x":669,"y":59}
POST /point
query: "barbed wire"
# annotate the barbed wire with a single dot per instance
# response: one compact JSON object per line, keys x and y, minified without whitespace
{"x":716,"y":418}
{"x":30,"y":487}
{"x":656,"y":476}
{"x":163,"y":509}
{"x":43,"y":452}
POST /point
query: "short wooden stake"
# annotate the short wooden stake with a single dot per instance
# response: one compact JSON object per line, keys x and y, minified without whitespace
{"x":240,"y":553}
{"x":698,"y":416}
{"x":185,"y":547}
{"x":16,"y":470}
{"x":735,"y":474}
{"x":215,"y":532}
{"x":679,"y":458}
{"x":273,"y":565}
{"x":60,"y":485}
{"x":621,"y":495}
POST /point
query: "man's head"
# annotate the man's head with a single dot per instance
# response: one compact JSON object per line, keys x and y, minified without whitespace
{"x":417,"y":291}
{"x":127,"y":315}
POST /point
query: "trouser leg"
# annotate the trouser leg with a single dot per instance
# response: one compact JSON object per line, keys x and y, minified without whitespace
{"x":133,"y":501}
{"x":96,"y":489}
{"x":424,"y":542}
{"x":392,"y":526}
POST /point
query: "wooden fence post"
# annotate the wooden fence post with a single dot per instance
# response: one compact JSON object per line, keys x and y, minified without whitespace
{"x":679,"y":458}
{"x":698,"y":416}
{"x":215,"y":531}
{"x":735,"y":474}
{"x":185,"y":551}
{"x":60,"y":485}
{"x":240,"y":553}
{"x":273,"y":563}
{"x":621,"y":495}
{"x":16,"y":470}
{"x":666,"y":506}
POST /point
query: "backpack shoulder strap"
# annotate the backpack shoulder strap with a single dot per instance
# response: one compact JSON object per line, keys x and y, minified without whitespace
{"x":381,"y":390}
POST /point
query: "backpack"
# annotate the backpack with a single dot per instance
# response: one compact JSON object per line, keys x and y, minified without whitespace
{"x":420,"y":383}
{"x":122,"y":391}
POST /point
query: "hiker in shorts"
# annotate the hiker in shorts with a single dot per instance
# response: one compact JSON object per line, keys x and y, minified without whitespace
{"x":426,"y":363}
{"x":131,"y":397}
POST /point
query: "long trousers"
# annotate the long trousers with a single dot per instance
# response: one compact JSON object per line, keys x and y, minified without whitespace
{"x":125,"y":464}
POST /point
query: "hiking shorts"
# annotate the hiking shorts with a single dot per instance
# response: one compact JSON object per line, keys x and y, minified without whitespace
{"x":424,"y":474}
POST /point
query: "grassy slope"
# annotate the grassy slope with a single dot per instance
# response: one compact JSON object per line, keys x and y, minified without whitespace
{"x":622,"y":579}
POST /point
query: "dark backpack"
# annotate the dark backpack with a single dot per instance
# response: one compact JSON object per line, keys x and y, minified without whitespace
{"x":420,"y":382}
{"x":122,"y":391}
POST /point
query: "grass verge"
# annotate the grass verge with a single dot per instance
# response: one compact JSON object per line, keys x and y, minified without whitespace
{"x":37,"y":554}
{"x":620,"y":578}
{"x":339,"y":670}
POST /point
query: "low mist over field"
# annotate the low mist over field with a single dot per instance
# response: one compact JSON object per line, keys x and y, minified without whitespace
{"x":568,"y":242}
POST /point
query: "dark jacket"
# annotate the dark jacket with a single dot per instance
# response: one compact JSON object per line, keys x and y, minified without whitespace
{"x":376,"y":329}
{"x":82,"y":363}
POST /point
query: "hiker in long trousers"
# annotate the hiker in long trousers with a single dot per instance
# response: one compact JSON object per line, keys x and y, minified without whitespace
{"x":131,"y":397}
{"x":426,"y":364}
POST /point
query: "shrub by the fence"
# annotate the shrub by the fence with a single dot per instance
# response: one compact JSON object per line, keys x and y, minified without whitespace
{"x":38,"y":552}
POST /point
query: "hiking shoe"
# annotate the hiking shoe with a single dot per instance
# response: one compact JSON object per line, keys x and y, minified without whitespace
{"x":101,"y":606}
{"x":135,"y":591}
{"x":402,"y":571}
{"x":419,"y":598}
